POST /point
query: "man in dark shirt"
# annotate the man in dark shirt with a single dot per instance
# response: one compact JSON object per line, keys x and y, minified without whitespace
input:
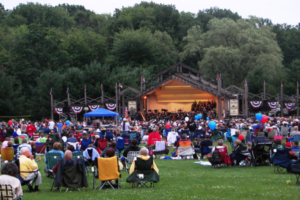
{"x":205,"y":143}
{"x":132,"y":147}
{"x":192,"y":127}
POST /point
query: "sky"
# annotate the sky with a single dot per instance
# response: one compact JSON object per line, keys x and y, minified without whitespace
{"x":279,"y":11}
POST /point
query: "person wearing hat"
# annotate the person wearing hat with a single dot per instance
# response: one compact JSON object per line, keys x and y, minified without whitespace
{"x":292,"y":156}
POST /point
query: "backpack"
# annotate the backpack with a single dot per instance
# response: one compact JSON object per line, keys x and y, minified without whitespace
{"x":216,"y":157}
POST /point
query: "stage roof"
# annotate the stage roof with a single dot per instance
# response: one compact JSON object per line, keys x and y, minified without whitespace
{"x":101,"y":112}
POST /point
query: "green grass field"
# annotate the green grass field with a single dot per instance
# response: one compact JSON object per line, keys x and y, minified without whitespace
{"x":182,"y":179}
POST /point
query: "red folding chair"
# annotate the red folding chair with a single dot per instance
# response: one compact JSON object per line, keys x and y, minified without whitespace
{"x":102,"y":144}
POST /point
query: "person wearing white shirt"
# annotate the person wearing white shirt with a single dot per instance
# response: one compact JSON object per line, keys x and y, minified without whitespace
{"x":51,"y":124}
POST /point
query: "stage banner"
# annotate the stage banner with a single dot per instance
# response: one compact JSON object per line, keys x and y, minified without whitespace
{"x":132,"y":106}
{"x":255,"y":104}
{"x":94,"y":107}
{"x":289,"y":106}
{"x":110,"y":106}
{"x":233,"y":107}
{"x":77,"y":109}
{"x":58,"y":111}
{"x":272,"y":105}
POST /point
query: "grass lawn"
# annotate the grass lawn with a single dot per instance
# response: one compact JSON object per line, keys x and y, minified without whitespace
{"x":182,"y":179}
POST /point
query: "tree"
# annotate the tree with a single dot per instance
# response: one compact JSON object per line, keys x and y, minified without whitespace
{"x":235,"y":49}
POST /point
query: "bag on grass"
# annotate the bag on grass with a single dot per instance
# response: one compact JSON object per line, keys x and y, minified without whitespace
{"x":216,"y":157}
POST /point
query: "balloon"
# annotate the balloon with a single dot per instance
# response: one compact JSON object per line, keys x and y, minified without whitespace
{"x":168,"y":125}
{"x":264,"y":119}
{"x":120,"y":119}
{"x":212,"y":125}
{"x":207,"y":118}
{"x":199,"y":116}
{"x":68,"y":122}
{"x":241,"y":137}
{"x":196,"y":117}
{"x":10,"y":122}
{"x":258,"y":116}
{"x":186,"y":119}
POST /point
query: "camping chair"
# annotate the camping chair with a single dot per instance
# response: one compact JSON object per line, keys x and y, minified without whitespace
{"x":71,"y":174}
{"x":52,"y":136}
{"x":296,"y":138}
{"x":295,"y":169}
{"x":52,"y":160}
{"x":130,"y":157}
{"x":271,"y":134}
{"x":74,"y":144}
{"x":297,"y":153}
{"x":102,"y":144}
{"x":120,"y":145}
{"x":160,"y":148}
{"x":77,"y":155}
{"x":88,"y":158}
{"x":7,"y":154}
{"x":278,"y":137}
{"x":108,"y":169}
{"x":199,"y":134}
{"x":185,"y":149}
{"x":109,"y":136}
{"x":22,"y":181}
{"x":132,"y":136}
{"x":166,"y":132}
{"x":143,"y":173}
{"x":40,"y":148}
{"x":7,"y":193}
{"x":216,"y":135}
{"x":281,"y":161}
{"x":187,"y":132}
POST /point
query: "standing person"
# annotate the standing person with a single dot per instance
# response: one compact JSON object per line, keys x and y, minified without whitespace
{"x":192,"y":127}
{"x":51,"y":124}
{"x":23,"y":127}
{"x":30,"y":129}
{"x":60,"y":127}
{"x":125,"y":127}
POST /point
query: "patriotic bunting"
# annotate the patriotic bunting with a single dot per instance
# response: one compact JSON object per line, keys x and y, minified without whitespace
{"x":126,"y":112}
{"x":272,"y":105}
{"x":110,"y":106}
{"x":255,"y":104}
{"x":58,"y":111}
{"x":94,"y":107}
{"x":77,"y":109}
{"x":289,"y":106}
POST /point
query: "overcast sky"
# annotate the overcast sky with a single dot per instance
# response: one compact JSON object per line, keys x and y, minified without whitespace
{"x":279,"y":11}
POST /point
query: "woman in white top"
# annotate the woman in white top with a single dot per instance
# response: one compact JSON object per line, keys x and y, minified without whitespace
{"x":9,"y":172}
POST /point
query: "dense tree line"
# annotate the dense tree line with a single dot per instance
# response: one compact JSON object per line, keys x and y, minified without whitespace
{"x":43,"y":47}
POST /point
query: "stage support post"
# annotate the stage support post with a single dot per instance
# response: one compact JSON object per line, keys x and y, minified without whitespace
{"x":297,"y":99}
{"x":264,"y":95}
{"x":51,"y":99}
{"x":117,"y":107}
{"x":281,"y":99}
{"x":219,"y":98}
{"x":84,"y":95}
{"x":123,"y":105}
{"x":68,"y":96}
{"x":246,"y":98}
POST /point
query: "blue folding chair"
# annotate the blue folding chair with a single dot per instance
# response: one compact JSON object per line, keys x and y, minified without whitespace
{"x":132,"y":135}
{"x":120,"y":145}
{"x":109,"y":136}
{"x":296,"y":138}
{"x":166,"y":131}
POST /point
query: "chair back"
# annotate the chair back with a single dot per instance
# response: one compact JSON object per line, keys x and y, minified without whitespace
{"x":102,"y":144}
{"x":296,"y":138}
{"x":185,"y":148}
{"x":271,"y":134}
{"x":74,"y":144}
{"x":120,"y":144}
{"x":109,"y":136}
{"x":6,"y":192}
{"x":52,"y":136}
{"x":40,"y":148}
{"x":108,"y":168}
{"x":52,"y":159}
{"x":77,"y":155}
{"x":132,"y":136}
{"x":131,"y":155}
{"x":199,"y":133}
{"x":160,"y":146}
{"x":185,"y":143}
{"x":296,"y":152}
{"x":278,"y":137}
{"x":260,"y":134}
{"x":143,"y":165}
{"x":166,"y":132}
{"x":7,"y":154}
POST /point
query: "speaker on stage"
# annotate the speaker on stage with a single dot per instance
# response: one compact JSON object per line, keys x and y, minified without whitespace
{"x":66,"y":108}
{"x":265,"y":107}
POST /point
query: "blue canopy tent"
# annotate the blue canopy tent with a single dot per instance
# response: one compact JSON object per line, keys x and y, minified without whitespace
{"x":101,"y":112}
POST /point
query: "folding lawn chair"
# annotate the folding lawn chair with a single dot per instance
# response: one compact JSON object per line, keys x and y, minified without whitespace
{"x":108,"y":169}
{"x":109,"y":136}
{"x":102,"y":144}
{"x":132,"y":136}
{"x":295,"y":169}
{"x":52,"y":159}
{"x":296,"y":138}
{"x":185,"y":149}
{"x":29,"y":183}
{"x":143,"y":173}
{"x":7,"y":193}
{"x":160,"y":148}
{"x":120,"y":144}
{"x":7,"y":154}
{"x":281,"y":161}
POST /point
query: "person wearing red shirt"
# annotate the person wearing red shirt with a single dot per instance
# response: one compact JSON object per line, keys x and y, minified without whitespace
{"x":30,"y":129}
{"x":153,"y":137}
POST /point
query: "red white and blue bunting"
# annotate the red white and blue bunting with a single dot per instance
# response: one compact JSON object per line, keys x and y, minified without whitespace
{"x":110,"y":106}
{"x":77,"y":109}
{"x":58,"y":111}
{"x":289,"y":106}
{"x":255,"y":104}
{"x":94,"y":107}
{"x":272,"y":105}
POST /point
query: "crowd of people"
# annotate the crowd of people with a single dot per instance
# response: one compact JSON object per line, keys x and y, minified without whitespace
{"x":87,"y":137}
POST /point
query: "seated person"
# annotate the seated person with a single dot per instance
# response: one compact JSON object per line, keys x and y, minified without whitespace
{"x":85,"y":142}
{"x":183,"y":139}
{"x":67,"y":156}
{"x":292,"y":156}
{"x":111,"y":153}
{"x":25,"y":144}
{"x":113,"y":145}
{"x":132,"y":147}
{"x":145,"y":137}
{"x":91,"y":155}
{"x":27,"y":166}
{"x":278,"y":144}
{"x":153,"y":137}
{"x":295,"y":145}
{"x":8,"y":176}
{"x":204,"y":143}
{"x":222,"y":149}
{"x":72,"y":139}
{"x":58,"y":139}
{"x":16,"y":145}
{"x":56,"y":149}
{"x":4,"y":143}
{"x":41,"y":139}
{"x":15,"y":133}
{"x":236,"y":153}
{"x":144,"y":156}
